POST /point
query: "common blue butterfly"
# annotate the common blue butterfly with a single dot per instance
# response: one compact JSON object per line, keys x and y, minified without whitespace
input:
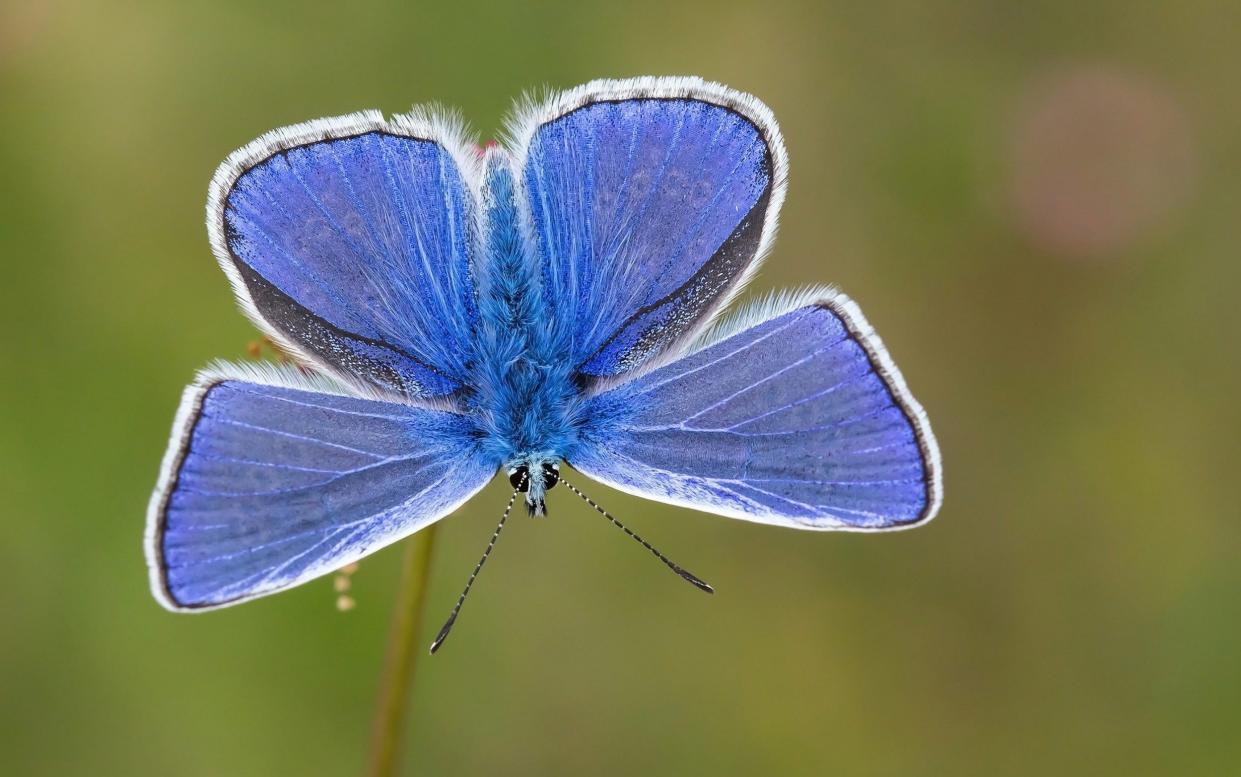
{"x":548,"y":301}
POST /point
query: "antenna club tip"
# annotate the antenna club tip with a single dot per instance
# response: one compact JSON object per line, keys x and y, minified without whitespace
{"x":701,"y":585}
{"x":443,"y":635}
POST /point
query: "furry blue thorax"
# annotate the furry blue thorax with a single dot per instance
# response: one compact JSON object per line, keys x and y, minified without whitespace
{"x":526,"y":405}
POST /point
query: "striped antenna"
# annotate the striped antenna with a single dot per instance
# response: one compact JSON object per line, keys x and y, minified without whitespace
{"x":443,"y":635}
{"x":684,"y":573}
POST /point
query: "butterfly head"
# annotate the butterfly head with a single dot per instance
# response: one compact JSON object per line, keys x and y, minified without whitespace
{"x":522,"y":476}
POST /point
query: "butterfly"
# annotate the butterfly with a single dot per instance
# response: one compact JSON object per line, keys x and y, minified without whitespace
{"x":554,"y":299}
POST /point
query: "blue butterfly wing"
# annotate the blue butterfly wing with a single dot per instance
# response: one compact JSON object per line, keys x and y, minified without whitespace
{"x":269,"y":482}
{"x":801,"y":420}
{"x":649,"y":203}
{"x":349,"y":241}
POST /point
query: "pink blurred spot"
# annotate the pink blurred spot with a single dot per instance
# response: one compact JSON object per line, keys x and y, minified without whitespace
{"x":1100,"y":158}
{"x":21,"y":27}
{"x":481,"y":151}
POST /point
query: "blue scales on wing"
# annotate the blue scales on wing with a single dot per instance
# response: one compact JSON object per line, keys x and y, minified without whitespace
{"x":800,"y":420}
{"x":649,"y":203}
{"x":266,"y":486}
{"x":349,"y":240}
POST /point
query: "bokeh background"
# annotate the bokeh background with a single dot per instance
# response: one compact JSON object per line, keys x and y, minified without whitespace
{"x":1035,"y":203}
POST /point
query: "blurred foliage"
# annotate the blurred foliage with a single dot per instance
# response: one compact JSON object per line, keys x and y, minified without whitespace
{"x":1074,"y":609}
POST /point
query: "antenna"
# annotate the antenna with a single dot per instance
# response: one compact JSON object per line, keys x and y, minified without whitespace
{"x":685,"y":574}
{"x":443,"y":635}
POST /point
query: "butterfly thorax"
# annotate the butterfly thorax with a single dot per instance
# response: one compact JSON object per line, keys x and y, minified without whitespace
{"x":527,"y":405}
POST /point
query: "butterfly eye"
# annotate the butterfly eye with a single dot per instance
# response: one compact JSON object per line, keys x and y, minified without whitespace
{"x":518,"y":477}
{"x":551,"y":475}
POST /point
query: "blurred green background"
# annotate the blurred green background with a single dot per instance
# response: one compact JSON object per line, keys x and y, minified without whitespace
{"x":1035,"y":203}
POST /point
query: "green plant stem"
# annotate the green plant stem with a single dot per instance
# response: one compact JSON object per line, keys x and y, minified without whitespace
{"x":401,"y":660}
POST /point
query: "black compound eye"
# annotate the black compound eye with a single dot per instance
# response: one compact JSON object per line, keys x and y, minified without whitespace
{"x":551,"y":476}
{"x":519,"y":477}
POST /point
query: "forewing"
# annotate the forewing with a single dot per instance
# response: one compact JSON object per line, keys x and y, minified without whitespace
{"x":801,"y":420}
{"x":649,"y":202}
{"x":349,"y":240}
{"x":269,"y":482}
